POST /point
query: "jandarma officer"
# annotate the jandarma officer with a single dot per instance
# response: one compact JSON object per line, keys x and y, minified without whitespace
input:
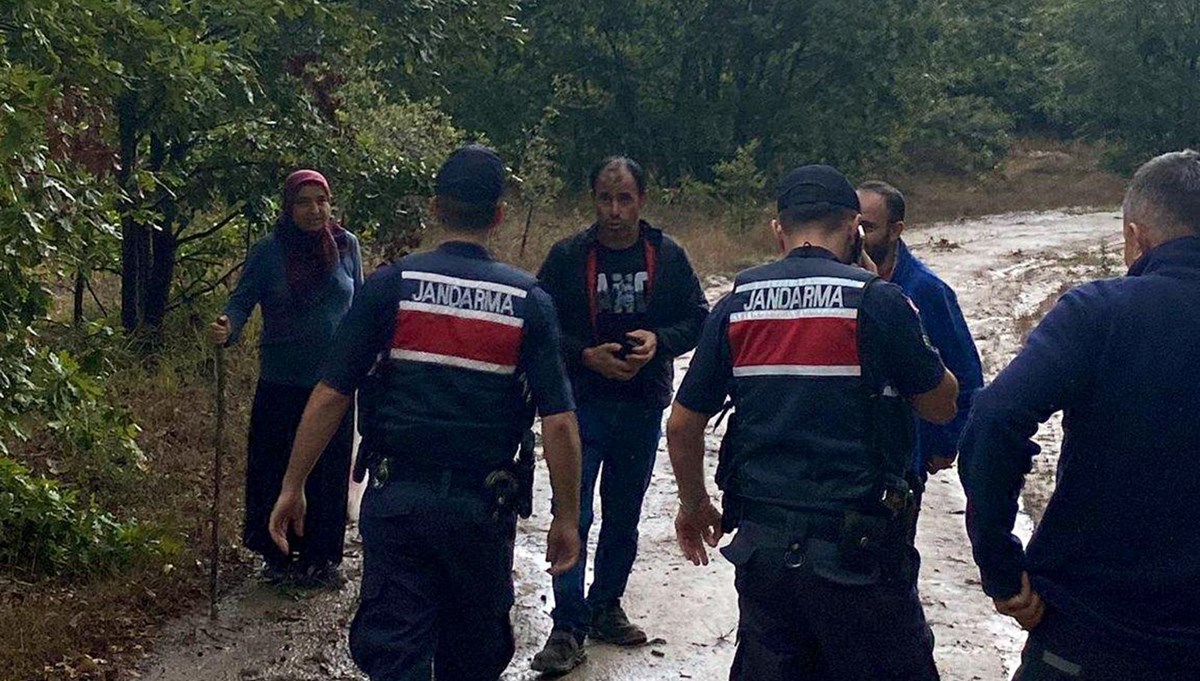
{"x":451,"y":351}
{"x":825,"y":363}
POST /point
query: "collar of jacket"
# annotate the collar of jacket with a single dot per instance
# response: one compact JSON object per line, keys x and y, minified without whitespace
{"x":810,"y":251}
{"x":904,"y":262}
{"x":1178,"y":257}
{"x":464,"y":249}
{"x":645,"y":230}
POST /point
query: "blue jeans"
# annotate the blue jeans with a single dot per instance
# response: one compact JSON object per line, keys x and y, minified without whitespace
{"x":622,"y":438}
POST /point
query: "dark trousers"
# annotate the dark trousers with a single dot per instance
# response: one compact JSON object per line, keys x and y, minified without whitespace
{"x":795,"y":625}
{"x":1060,"y":650}
{"x":273,"y":421}
{"x":436,"y":588}
{"x":620,"y":441}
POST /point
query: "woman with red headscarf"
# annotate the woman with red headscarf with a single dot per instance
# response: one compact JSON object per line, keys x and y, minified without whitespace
{"x":303,"y":276}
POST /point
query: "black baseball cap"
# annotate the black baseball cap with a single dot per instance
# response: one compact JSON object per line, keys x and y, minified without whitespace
{"x":473,"y":174}
{"x":816,"y":184}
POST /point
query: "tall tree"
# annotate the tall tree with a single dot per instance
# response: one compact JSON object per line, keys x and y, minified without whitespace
{"x":683,"y":85}
{"x":1128,"y":71}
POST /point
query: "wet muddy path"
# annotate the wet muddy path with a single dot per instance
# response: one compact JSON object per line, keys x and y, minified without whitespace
{"x":1005,"y":270}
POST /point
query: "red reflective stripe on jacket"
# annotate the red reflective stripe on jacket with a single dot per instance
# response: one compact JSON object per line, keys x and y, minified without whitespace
{"x":446,"y":334}
{"x":811,"y":341}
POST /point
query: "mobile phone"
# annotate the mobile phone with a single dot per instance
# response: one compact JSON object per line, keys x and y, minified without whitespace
{"x":628,"y":345}
{"x":857,"y":247}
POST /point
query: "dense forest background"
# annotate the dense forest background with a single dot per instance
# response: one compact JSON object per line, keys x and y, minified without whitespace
{"x":143,"y":143}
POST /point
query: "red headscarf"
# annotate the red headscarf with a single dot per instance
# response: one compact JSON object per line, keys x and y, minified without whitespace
{"x":310,"y":256}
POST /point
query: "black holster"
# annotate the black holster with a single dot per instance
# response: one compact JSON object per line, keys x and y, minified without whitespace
{"x":511,"y":486}
{"x":363,"y":460}
{"x":526,"y":461}
{"x":731,"y":512}
{"x":881,"y":539}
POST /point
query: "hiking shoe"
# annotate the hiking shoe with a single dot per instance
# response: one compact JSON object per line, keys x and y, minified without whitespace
{"x":320,"y":575}
{"x":272,"y":573}
{"x":611,"y":625}
{"x":562,"y":653}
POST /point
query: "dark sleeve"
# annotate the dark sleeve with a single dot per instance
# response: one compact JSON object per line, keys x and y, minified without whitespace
{"x":948,"y":332}
{"x":358,"y":267}
{"x":556,"y":277}
{"x":1049,"y":374}
{"x":541,"y":358}
{"x":248,"y":292}
{"x":363,"y":333}
{"x":688,"y":308}
{"x":899,"y":347}
{"x":706,"y":384}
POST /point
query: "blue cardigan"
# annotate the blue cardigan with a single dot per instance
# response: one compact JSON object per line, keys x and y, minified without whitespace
{"x":948,"y":332}
{"x":295,"y":336}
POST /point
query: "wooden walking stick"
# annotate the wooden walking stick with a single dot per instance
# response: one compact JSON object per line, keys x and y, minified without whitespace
{"x":218,"y":455}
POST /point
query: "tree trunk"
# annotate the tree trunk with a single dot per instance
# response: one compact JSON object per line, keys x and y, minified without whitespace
{"x":135,"y":244}
{"x":147,"y":251}
{"x":80,"y":288}
{"x":528,"y":222}
{"x":163,"y":242}
{"x":158,"y":282}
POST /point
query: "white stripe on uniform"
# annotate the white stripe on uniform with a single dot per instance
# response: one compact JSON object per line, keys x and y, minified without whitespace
{"x":812,"y":313}
{"x":462,"y":313}
{"x":796,"y":370}
{"x":452,"y":361}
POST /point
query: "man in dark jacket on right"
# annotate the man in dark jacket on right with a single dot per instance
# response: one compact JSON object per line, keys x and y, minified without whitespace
{"x":1109,"y":586}
{"x":629,"y":303}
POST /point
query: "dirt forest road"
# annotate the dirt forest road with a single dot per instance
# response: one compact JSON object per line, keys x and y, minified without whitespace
{"x":1006,"y":269}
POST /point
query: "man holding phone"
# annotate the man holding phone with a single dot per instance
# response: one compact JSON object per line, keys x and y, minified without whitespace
{"x":629,"y":302}
{"x":883,"y":209}
{"x":826,"y":364}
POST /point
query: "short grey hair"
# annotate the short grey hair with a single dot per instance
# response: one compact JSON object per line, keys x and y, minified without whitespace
{"x":1164,"y":194}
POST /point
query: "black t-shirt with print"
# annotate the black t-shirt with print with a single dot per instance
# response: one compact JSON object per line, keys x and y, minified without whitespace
{"x":622,"y":287}
{"x":621,"y":292}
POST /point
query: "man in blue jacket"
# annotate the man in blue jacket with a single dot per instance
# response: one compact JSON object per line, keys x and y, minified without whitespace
{"x":883,"y":210}
{"x":1109,"y":586}
{"x":629,"y":304}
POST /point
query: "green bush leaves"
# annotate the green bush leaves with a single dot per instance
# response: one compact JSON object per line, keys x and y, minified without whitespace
{"x":47,"y":530}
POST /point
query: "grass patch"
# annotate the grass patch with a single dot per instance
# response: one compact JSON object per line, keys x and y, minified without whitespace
{"x":61,"y":628}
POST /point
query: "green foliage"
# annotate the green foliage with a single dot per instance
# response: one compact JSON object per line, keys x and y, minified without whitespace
{"x":739,"y":185}
{"x":194,"y":112}
{"x":993,"y":54}
{"x":1127,"y":71}
{"x":683,"y":86}
{"x":96,"y":442}
{"x":538,"y":171}
{"x":964,"y":133}
{"x":47,"y":530}
{"x":53,"y":220}
{"x":388,"y":151}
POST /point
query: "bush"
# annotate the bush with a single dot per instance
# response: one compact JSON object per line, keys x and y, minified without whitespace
{"x":55,"y":400}
{"x":958,"y":134}
{"x":46,"y":530}
{"x":739,"y":185}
